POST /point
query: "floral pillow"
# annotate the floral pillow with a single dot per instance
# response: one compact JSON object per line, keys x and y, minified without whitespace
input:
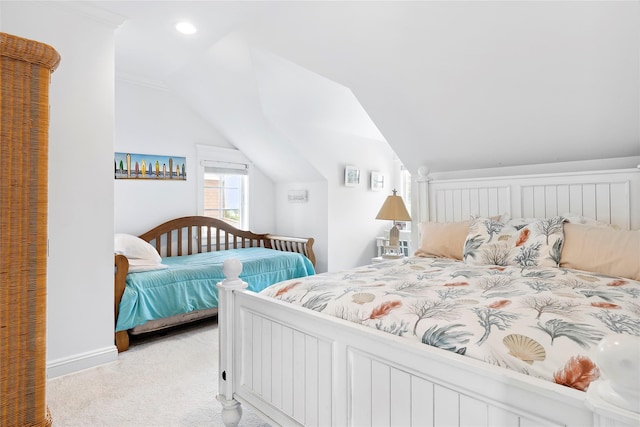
{"x":537,"y":244}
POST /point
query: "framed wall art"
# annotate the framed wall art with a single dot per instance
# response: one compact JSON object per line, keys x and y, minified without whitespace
{"x":351,"y":176}
{"x":377,"y":181}
{"x":298,"y":196}
{"x":149,"y":166}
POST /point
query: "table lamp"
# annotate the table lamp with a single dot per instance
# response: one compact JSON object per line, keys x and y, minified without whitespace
{"x":393,"y":209}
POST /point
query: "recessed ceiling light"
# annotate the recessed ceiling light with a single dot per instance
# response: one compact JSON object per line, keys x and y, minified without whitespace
{"x":186,"y":27}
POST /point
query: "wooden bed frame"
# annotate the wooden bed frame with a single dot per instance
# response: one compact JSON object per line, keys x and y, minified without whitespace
{"x":300,"y":367}
{"x":196,"y":234}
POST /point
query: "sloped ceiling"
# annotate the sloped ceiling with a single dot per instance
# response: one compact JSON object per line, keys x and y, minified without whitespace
{"x":270,"y":108}
{"x":450,"y":85}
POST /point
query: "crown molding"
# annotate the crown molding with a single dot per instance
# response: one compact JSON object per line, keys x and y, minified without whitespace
{"x":87,"y":10}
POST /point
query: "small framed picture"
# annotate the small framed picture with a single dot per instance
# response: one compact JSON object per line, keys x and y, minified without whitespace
{"x":377,"y":181}
{"x":351,"y":176}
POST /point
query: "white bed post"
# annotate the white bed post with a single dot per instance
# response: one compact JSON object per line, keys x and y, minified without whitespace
{"x":422,"y":195}
{"x":420,"y":214}
{"x":231,"y":409}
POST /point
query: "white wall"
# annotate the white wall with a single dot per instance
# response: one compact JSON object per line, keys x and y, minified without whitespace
{"x":80,"y":265}
{"x":151,"y":120}
{"x":342,"y":219}
{"x":305,"y":219}
{"x":352,"y":210}
{"x":146,"y":122}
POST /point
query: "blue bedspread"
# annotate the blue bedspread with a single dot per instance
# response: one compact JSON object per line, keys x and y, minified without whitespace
{"x":190,"y":282}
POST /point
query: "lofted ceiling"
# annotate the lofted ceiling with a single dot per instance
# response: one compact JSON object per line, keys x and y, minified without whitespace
{"x":450,"y":85}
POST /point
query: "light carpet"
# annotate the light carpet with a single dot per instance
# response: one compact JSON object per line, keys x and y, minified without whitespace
{"x":162,"y":380}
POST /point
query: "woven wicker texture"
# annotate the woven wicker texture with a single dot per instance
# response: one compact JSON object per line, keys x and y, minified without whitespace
{"x":25,"y":67}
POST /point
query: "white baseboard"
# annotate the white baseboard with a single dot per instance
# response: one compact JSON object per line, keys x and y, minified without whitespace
{"x":78,"y":362}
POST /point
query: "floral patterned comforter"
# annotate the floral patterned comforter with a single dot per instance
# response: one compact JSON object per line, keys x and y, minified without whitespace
{"x":544,"y":321}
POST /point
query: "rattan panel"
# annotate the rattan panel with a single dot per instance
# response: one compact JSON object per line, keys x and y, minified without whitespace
{"x":26,"y":68}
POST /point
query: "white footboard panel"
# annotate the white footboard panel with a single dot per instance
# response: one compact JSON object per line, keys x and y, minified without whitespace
{"x":299,"y":367}
{"x":384,"y":395}
{"x":287,"y":369}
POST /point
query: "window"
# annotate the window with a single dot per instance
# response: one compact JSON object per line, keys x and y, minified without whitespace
{"x":224,"y":194}
{"x":223,"y":185}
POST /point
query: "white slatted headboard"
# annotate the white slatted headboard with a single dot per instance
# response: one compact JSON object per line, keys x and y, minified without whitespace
{"x":611,"y":196}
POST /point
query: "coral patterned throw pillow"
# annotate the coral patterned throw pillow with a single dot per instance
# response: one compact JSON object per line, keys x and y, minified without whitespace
{"x":537,"y":244}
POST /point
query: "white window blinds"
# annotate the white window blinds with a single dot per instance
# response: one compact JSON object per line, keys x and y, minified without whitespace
{"x":226,"y":168}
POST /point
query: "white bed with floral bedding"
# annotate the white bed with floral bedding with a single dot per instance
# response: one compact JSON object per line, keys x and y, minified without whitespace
{"x":425,"y":340}
{"x":540,"y":321}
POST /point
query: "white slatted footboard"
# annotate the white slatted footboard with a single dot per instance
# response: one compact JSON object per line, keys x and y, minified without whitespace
{"x":287,"y":369}
{"x":299,"y":367}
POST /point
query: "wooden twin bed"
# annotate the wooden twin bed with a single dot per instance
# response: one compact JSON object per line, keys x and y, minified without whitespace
{"x":399,"y":343}
{"x":189,"y":240}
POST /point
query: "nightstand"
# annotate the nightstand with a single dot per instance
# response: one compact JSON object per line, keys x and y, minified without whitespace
{"x":405,"y":243}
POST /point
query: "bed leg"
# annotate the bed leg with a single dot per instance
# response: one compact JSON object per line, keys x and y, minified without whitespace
{"x":231,"y":411}
{"x":122,"y":341}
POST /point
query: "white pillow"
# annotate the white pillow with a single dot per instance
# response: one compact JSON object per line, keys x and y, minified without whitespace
{"x":142,"y":256}
{"x":568,"y":217}
{"x":134,"y":247}
{"x":579,"y":219}
{"x":138,"y":265}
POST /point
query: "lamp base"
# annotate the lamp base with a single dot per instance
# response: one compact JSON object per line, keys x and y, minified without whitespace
{"x":392,"y":252}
